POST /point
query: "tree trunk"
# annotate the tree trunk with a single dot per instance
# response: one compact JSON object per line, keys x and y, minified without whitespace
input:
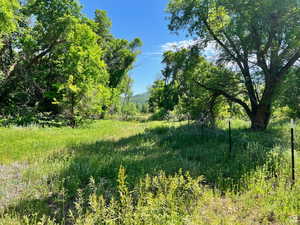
{"x":72,"y":115}
{"x":211,"y":110}
{"x":260,"y":118}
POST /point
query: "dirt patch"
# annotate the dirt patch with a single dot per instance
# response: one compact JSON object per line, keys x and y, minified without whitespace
{"x":11,"y":183}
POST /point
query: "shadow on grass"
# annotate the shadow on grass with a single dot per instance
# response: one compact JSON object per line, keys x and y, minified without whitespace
{"x":202,"y":152}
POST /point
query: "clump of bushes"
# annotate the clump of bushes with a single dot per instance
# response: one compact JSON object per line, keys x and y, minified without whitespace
{"x":180,"y":199}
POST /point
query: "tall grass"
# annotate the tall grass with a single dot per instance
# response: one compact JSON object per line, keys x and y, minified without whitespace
{"x":153,"y":173}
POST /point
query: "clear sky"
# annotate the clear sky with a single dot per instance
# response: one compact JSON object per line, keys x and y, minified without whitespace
{"x":145,"y":19}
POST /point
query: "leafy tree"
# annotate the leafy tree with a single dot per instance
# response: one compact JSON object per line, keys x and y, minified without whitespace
{"x":259,"y":38}
{"x":144,"y":108}
{"x":103,"y":24}
{"x":84,"y":74}
{"x":57,"y":55}
{"x":35,"y":51}
{"x":129,"y":109}
{"x":119,"y":55}
{"x":126,"y":89}
{"x":8,"y":24}
{"x":162,"y":96}
{"x":184,"y":72}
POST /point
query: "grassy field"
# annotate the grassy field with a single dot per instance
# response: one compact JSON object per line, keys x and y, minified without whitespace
{"x":114,"y":172}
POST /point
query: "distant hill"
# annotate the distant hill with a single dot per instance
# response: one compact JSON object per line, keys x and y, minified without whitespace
{"x":140,"y":98}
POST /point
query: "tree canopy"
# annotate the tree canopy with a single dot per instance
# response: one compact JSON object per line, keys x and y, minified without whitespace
{"x":193,"y":86}
{"x":53,"y":59}
{"x":8,"y":16}
{"x":258,"y":39}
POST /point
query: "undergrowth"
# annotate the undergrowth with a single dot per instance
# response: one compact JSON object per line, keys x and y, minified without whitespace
{"x":161,"y":173}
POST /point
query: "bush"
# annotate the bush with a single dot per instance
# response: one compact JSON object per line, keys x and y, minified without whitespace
{"x":159,"y":115}
{"x":157,"y":200}
{"x":28,"y":118}
{"x":129,"y":110}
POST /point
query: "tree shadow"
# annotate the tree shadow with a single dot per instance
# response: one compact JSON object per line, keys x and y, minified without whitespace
{"x":201,"y":151}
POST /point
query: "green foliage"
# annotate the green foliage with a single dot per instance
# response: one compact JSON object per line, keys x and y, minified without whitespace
{"x":189,"y":87}
{"x":120,"y":56}
{"x":169,"y":203}
{"x":159,"y":115}
{"x":162,"y":95}
{"x":258,"y":39}
{"x":61,"y":63}
{"x":103,"y":24}
{"x":289,"y":95}
{"x":128,"y":110}
{"x":144,"y":108}
{"x":85,"y":74}
{"x":8,"y":17}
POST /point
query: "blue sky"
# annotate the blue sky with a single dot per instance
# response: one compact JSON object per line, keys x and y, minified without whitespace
{"x":145,"y":19}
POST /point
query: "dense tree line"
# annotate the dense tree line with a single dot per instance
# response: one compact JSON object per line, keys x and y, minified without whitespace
{"x":55,"y":61}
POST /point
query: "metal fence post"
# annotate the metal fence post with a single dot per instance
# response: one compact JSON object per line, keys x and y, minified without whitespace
{"x":230,"y":138}
{"x":293,"y":149}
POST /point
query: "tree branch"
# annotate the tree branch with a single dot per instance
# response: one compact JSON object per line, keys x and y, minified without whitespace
{"x":219,"y":41}
{"x":240,"y":60}
{"x":288,"y":65}
{"x":15,"y":72}
{"x":226,"y":95}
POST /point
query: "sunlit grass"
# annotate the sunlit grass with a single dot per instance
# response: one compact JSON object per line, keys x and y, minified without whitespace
{"x":28,"y":143}
{"x":173,"y":174}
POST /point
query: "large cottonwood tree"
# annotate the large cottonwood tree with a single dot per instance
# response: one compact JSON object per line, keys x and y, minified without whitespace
{"x":260,"y":39}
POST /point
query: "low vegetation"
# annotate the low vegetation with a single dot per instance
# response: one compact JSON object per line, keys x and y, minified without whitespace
{"x":147,"y":173}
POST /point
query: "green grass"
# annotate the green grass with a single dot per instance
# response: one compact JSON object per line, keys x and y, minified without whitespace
{"x":28,"y":143}
{"x":116,"y":172}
